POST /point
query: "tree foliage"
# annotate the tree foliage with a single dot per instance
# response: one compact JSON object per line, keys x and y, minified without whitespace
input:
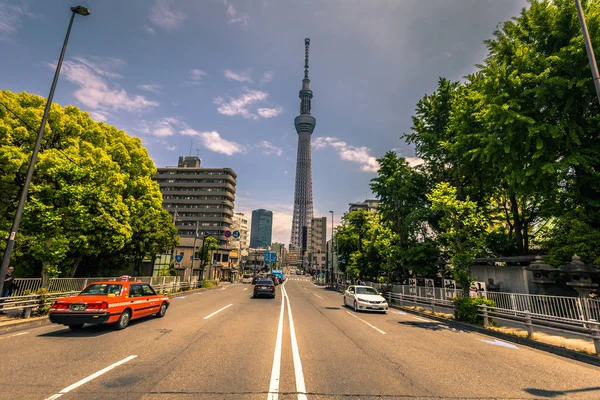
{"x":92,"y":204}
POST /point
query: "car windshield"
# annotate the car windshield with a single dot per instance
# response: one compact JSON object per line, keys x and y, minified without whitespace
{"x":102,"y":289}
{"x":264,"y":282}
{"x":366,"y":290}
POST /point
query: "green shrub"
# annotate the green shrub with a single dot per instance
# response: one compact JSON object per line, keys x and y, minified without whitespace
{"x":43,"y":308}
{"x":467,"y":310}
{"x":209,"y":284}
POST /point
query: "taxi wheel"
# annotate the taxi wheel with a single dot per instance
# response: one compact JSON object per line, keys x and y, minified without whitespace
{"x":163,"y":310}
{"x":123,"y":320}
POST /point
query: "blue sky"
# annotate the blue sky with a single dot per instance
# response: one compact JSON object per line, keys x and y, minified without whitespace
{"x":223,"y":76}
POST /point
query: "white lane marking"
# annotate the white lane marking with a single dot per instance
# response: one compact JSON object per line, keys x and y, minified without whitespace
{"x":16,"y":334}
{"x":421,"y":319}
{"x":372,"y":326}
{"x":244,"y":289}
{"x":500,"y":343}
{"x":179,"y":297}
{"x":218,"y":311}
{"x":91,"y":377}
{"x":317,"y":296}
{"x":276,"y":369}
{"x":399,"y":312}
{"x":198,"y":292}
{"x":300,"y":385}
{"x":305,"y":288}
{"x":220,"y":290}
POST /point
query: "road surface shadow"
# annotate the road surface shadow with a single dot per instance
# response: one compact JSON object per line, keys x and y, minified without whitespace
{"x":90,"y":330}
{"x":430,"y":326}
{"x":557,"y":393}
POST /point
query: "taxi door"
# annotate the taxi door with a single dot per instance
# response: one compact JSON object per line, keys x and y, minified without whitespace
{"x":138,"y":300}
{"x":153,"y":302}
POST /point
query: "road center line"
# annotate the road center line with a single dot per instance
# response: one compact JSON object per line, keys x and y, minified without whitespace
{"x":276,"y":369}
{"x":317,"y":296}
{"x":16,"y":334}
{"x":300,"y":385}
{"x":422,"y":319}
{"x":372,"y":326}
{"x":218,"y":311}
{"x":91,"y":377}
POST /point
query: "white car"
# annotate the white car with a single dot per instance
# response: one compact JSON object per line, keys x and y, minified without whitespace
{"x":247,"y":278}
{"x":365,"y":298}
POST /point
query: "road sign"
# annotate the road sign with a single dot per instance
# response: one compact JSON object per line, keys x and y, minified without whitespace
{"x":236,"y":234}
{"x":227,"y":233}
{"x":178,"y":257}
{"x":270,"y":257}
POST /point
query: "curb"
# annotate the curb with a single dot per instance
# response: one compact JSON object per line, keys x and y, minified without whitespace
{"x":18,"y":324}
{"x":559,"y":351}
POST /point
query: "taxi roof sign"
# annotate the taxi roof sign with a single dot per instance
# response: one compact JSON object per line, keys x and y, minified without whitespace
{"x":125,"y":278}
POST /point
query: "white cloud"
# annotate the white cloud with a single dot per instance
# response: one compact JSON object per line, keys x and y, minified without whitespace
{"x":171,"y":148}
{"x":414,"y":161}
{"x":214,"y":142}
{"x":218,"y":100}
{"x":95,"y":91}
{"x":359,"y":155}
{"x":269,"y":112}
{"x":269,"y":148}
{"x":239,"y":105}
{"x":11,"y":17}
{"x":150,"y":88}
{"x":164,"y":16}
{"x":267,"y":77}
{"x":237,"y":76}
{"x":190,"y":132}
{"x":98,"y":116}
{"x":196,"y":74}
{"x":163,"y":127}
{"x":236,"y":17}
{"x":150,"y":30}
{"x":285,"y":171}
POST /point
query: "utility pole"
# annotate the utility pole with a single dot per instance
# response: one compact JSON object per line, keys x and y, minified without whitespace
{"x":194,"y":251}
{"x":331,"y":247}
{"x":589,"y":48}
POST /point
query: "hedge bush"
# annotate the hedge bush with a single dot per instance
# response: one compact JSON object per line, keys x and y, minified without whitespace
{"x":466,"y":309}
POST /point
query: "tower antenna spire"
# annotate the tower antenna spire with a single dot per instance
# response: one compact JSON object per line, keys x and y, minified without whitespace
{"x":306,"y":46}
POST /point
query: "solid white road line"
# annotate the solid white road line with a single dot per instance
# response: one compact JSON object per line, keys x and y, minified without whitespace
{"x":372,"y":326}
{"x":91,"y":377}
{"x":317,"y":296}
{"x":218,"y":311}
{"x":300,"y":385}
{"x":16,"y":334}
{"x":276,"y":369}
{"x":244,"y":289}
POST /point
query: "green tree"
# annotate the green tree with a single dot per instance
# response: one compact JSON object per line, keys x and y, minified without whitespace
{"x":92,"y":200}
{"x":209,"y":245}
{"x":462,"y":229}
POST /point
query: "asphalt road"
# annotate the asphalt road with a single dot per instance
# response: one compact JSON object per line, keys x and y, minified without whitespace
{"x":254,"y":348}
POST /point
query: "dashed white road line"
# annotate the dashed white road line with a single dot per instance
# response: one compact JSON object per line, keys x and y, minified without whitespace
{"x":218,"y":311}
{"x":89,"y":378}
{"x":16,"y":334}
{"x":372,"y":326}
{"x":276,"y":369}
{"x":244,"y":289}
{"x":317,"y":296}
{"x":179,"y":297}
{"x":300,"y":385}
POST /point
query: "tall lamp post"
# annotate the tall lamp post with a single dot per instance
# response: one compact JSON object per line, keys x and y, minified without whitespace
{"x":10,"y":244}
{"x":331,"y":247}
{"x":588,"y":48}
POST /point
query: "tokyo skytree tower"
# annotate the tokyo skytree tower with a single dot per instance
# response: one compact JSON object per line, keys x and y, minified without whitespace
{"x":303,"y":196}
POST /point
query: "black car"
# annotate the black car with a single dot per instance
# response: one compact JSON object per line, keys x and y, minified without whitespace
{"x":264,"y":287}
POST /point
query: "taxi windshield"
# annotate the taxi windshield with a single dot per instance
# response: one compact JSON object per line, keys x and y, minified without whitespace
{"x":102,"y":289}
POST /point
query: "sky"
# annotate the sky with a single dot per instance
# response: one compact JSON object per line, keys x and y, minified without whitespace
{"x":220,"y":79}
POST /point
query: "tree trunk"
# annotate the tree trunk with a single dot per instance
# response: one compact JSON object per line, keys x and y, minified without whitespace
{"x":526,"y":237}
{"x":75,"y":265}
{"x":514,"y":206}
{"x":45,"y":276}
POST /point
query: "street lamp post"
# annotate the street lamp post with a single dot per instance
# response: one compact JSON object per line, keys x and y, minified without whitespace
{"x":589,"y":48}
{"x":10,"y":244}
{"x":331,"y":247}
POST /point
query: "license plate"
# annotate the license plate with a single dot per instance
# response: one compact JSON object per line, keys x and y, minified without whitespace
{"x":263,"y":287}
{"x":77,"y":307}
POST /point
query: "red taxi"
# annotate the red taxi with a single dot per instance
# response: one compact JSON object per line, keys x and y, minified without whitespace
{"x":115,"y":302}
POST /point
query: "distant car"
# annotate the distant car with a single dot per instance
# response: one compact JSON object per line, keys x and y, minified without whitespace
{"x":365,"y":298}
{"x":115,"y":302}
{"x":298,"y":272}
{"x":247,"y":278}
{"x":264,"y":287}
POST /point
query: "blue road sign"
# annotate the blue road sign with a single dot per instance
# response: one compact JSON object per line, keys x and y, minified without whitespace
{"x":178,"y":257}
{"x":227,"y":234}
{"x":270,"y":257}
{"x":236,"y":234}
